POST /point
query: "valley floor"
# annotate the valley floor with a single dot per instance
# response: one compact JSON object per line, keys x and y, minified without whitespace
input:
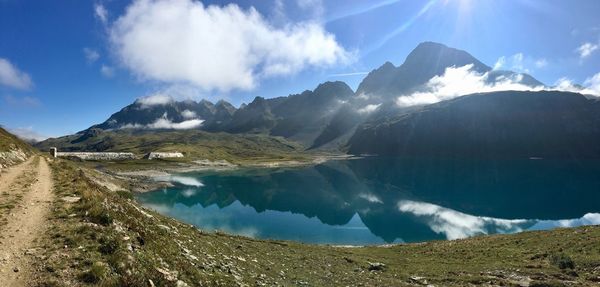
{"x":97,"y":235}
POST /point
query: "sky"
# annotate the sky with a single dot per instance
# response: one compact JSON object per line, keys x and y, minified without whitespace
{"x":66,"y":65}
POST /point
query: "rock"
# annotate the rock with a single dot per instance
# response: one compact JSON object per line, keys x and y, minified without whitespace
{"x":376,"y":266}
{"x":16,"y":269}
{"x":71,"y":199}
{"x":418,"y":280}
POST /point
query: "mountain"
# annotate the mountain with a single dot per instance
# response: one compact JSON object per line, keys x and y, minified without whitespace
{"x":545,"y":124}
{"x":426,"y":61}
{"x":330,"y":117}
{"x":255,"y":117}
{"x":146,"y":113}
{"x":299,"y":117}
{"x":377,"y":93}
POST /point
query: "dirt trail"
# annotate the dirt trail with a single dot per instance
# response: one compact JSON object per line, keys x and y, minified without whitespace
{"x":26,"y":221}
{"x":8,"y":176}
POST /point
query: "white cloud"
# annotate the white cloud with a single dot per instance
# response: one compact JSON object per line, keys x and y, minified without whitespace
{"x":500,"y":63}
{"x":370,"y":197}
{"x":214,"y":47}
{"x":167,"y":124}
{"x":185,"y":180}
{"x":27,"y":101}
{"x":107,"y":71}
{"x":591,"y":86}
{"x":153,"y":100}
{"x":314,"y":7}
{"x":587,"y":219}
{"x":455,"y":225}
{"x":586,"y":49}
{"x":515,"y":62}
{"x":91,"y":55}
{"x":187,"y":114}
{"x":101,"y":13}
{"x":368,"y":109}
{"x":461,"y":81}
{"x":541,"y":63}
{"x":11,"y":76}
{"x":27,"y":134}
{"x":519,"y":63}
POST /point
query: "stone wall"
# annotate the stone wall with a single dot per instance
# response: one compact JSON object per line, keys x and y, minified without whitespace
{"x":98,"y":155}
{"x":159,"y":155}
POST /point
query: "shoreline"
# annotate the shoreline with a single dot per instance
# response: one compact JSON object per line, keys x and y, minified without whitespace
{"x":146,"y":180}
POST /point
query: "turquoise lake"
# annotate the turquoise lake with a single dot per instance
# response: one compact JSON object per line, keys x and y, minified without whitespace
{"x":378,"y":200}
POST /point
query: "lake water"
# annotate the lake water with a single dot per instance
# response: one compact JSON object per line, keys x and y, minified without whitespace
{"x":378,"y":200}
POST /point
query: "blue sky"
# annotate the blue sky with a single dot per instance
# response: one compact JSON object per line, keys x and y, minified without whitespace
{"x":65,"y":65}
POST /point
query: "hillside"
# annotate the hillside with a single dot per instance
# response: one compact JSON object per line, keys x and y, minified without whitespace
{"x":194,"y":144}
{"x":12,"y":149}
{"x":546,"y":124}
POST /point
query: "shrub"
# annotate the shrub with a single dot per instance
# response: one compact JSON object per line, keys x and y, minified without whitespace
{"x":562,"y":261}
{"x":99,"y":215}
{"x":108,"y":246}
{"x":125,"y":194}
{"x":95,"y":274}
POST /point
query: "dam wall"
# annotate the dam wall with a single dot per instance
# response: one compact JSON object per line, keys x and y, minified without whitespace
{"x":97,"y":155}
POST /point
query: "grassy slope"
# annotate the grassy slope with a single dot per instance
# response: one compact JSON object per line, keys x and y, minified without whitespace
{"x":194,"y":144}
{"x":108,"y":240}
{"x":12,"y":149}
{"x":9,"y":141}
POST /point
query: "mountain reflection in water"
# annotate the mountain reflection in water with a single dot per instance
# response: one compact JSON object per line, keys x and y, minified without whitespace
{"x":382,"y":199}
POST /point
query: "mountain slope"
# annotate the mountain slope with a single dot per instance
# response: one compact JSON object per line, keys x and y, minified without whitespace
{"x":426,"y":61}
{"x":151,"y":113}
{"x":12,"y":149}
{"x":194,"y":144}
{"x":546,"y":124}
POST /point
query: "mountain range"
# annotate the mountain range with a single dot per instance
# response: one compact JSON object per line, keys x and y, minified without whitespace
{"x":531,"y":123}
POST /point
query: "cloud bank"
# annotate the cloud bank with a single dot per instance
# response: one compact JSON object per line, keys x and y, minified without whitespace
{"x":166,"y":124}
{"x":154,"y":100}
{"x":214,"y":47}
{"x":27,"y":134}
{"x":12,"y":77}
{"x":460,"y":81}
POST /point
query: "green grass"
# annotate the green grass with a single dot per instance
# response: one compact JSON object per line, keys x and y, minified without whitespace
{"x":106,"y":239}
{"x":9,"y":141}
{"x":194,"y":144}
